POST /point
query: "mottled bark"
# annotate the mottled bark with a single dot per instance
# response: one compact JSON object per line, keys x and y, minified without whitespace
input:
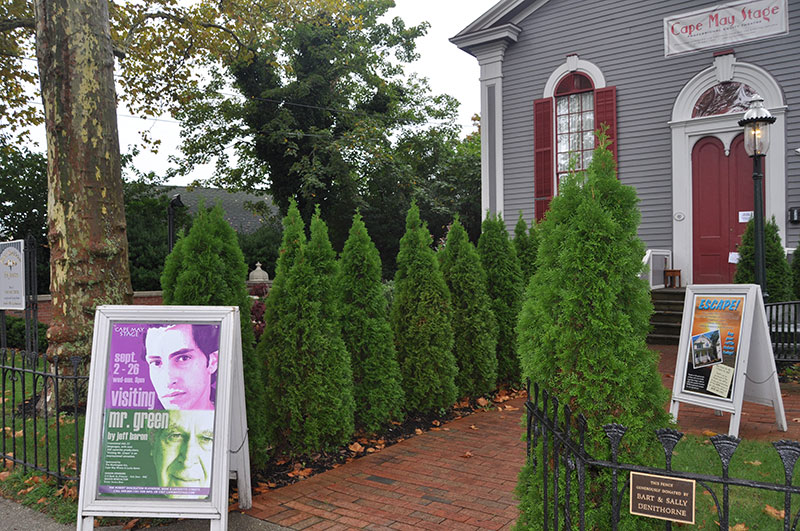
{"x":88,"y":243}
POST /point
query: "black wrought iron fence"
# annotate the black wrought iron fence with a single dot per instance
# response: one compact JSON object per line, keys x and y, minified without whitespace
{"x":42,"y":403}
{"x":784,"y":328}
{"x":557,"y":452}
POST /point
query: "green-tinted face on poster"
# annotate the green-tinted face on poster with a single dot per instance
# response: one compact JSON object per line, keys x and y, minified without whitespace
{"x":159,"y":410}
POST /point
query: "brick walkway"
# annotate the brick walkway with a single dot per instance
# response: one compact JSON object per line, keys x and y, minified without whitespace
{"x":426,"y":482}
{"x":454,"y":478}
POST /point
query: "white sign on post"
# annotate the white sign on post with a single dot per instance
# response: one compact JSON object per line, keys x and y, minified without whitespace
{"x":166,"y":420}
{"x":12,"y":278}
{"x":723,"y":25}
{"x":725,"y":353}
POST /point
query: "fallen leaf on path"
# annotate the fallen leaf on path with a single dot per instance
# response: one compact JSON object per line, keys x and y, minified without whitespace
{"x":436,"y":423}
{"x":355,"y":447}
{"x":754,"y":463}
{"x":739,"y":527}
{"x":302,"y":473}
{"x":773,"y":512}
{"x":473,"y":427}
{"x":482,"y":402}
{"x":509,"y":407}
{"x":467,"y":455}
{"x":709,"y":433}
{"x":131,"y":524}
{"x":418,"y":431}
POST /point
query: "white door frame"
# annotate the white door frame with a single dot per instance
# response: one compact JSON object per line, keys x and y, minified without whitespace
{"x":686,"y":131}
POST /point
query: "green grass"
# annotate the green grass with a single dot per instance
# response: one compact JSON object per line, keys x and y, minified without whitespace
{"x":753,"y":460}
{"x":43,"y":494}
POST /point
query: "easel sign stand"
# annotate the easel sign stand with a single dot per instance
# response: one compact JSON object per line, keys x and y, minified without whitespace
{"x":725,"y":353}
{"x":166,"y":422}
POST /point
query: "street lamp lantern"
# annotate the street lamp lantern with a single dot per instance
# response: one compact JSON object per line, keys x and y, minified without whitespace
{"x":756,"y":122}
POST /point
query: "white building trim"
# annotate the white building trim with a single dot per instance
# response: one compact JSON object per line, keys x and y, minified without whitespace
{"x":686,"y":131}
{"x":574,"y":64}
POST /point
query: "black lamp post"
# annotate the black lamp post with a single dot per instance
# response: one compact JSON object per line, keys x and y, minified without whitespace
{"x":174,"y":203}
{"x":756,"y":124}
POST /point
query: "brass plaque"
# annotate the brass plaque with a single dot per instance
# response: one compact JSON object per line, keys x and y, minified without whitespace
{"x":662,"y":497}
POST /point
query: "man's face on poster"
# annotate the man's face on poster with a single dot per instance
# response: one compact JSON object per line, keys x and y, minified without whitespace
{"x":179,"y":370}
{"x":182,"y":452}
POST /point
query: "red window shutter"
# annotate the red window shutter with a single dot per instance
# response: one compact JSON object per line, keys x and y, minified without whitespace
{"x":605,"y":105}
{"x":542,"y":156}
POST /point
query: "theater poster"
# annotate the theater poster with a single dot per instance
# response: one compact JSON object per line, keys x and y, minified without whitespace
{"x":725,"y":354}
{"x":160,"y":390}
{"x":716,"y":330}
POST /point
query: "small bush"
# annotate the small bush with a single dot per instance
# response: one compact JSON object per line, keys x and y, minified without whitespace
{"x":206,"y":267}
{"x":275,"y":346}
{"x":15,"y":333}
{"x":583,"y":328}
{"x":779,"y":275}
{"x":367,"y":334}
{"x":421,"y":321}
{"x":317,"y":409}
{"x":504,"y":282}
{"x":525,"y":243}
{"x":474,"y":325}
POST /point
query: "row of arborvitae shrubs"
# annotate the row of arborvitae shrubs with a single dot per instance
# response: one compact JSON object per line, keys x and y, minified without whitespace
{"x":333,"y":358}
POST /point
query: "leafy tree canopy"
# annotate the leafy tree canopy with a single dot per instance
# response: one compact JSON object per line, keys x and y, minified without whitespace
{"x":313,"y":112}
{"x":160,"y":46}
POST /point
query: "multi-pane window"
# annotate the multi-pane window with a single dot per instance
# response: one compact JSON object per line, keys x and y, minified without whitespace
{"x":575,"y":140}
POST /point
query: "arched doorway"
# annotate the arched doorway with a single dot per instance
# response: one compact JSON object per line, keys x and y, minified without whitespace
{"x":709,"y":105}
{"x":722,"y":193}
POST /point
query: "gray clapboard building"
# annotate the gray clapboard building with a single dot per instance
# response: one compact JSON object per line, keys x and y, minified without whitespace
{"x":671,"y":80}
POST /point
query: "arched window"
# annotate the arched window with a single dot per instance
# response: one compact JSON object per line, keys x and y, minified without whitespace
{"x":575,"y":139}
{"x":723,"y":98}
{"x":576,"y":102}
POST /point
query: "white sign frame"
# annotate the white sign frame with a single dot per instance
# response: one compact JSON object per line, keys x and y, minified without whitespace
{"x":230,"y":453}
{"x":12,"y":301}
{"x":755,"y":378}
{"x":724,"y":25}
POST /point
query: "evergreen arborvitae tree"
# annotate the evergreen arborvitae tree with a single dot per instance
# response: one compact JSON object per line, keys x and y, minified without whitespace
{"x":796,"y":272}
{"x":421,"y":321}
{"x":525,"y":244}
{"x":206,"y":267}
{"x":504,"y":283}
{"x":583,"y":327}
{"x":474,"y":325}
{"x":275,"y":346}
{"x":367,"y":334}
{"x":316,"y":410}
{"x":779,"y":275}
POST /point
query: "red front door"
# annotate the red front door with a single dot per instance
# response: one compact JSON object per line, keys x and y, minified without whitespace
{"x":722,"y":188}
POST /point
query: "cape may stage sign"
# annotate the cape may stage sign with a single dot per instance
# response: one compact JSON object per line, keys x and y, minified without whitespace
{"x":724,"y":25}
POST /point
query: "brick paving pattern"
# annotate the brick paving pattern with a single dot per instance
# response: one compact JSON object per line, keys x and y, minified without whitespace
{"x":454,"y":478}
{"x":426,"y":482}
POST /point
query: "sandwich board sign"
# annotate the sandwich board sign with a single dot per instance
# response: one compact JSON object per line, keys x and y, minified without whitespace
{"x":12,"y":278}
{"x":725,"y":353}
{"x":165,"y":419}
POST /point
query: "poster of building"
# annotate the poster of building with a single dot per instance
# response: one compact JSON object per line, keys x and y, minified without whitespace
{"x":159,"y":407}
{"x":12,"y":278}
{"x":716,"y":326}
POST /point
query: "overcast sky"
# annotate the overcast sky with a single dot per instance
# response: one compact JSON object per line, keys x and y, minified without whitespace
{"x":448,"y":69}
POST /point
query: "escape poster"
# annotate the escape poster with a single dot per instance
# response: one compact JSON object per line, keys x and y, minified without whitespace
{"x":714,"y":345}
{"x":158,"y":426}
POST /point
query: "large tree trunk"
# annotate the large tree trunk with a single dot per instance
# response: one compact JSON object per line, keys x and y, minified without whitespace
{"x":88,"y":243}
